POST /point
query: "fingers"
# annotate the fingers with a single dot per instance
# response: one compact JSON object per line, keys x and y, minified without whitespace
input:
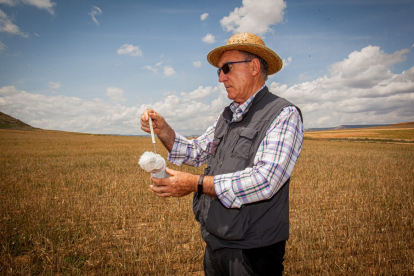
{"x":170,"y":171}
{"x":158,"y":181}
{"x":148,"y":113}
{"x":163,"y":186}
{"x":145,"y":119}
{"x":161,"y":191}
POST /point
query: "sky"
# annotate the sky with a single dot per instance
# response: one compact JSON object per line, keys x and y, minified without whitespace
{"x":95,"y":66}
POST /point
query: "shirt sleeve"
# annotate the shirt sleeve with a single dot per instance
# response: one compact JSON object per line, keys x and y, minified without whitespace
{"x":194,"y":152}
{"x":272,"y":167}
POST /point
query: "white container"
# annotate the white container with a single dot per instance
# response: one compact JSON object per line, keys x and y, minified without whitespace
{"x":161,"y":173}
{"x":154,"y":164}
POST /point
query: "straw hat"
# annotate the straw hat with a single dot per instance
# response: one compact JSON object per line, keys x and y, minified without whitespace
{"x":250,"y":43}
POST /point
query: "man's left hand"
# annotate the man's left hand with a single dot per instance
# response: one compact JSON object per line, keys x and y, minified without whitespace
{"x":177,"y":185}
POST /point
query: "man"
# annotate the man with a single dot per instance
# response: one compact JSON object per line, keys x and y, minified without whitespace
{"x":242,"y":200}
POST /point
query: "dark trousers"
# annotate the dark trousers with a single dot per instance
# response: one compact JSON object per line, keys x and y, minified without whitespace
{"x":257,"y":261}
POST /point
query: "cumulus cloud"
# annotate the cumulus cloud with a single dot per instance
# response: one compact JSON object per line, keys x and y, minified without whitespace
{"x":151,"y":68}
{"x":186,"y":115}
{"x":8,"y":90}
{"x":168,"y":70}
{"x":209,"y":38}
{"x":360,"y":89}
{"x":7,"y":26}
{"x":200,"y":92}
{"x":197,"y":63}
{"x":54,"y":85}
{"x":95,"y":11}
{"x":129,"y":49}
{"x":40,"y":4}
{"x":115,"y":94}
{"x":204,"y":16}
{"x":254,"y":17}
{"x":287,"y":61}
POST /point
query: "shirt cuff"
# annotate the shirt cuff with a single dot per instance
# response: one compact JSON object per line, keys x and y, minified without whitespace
{"x":224,"y":191}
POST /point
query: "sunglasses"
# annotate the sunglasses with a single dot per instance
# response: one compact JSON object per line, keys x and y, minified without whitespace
{"x":226,"y":68}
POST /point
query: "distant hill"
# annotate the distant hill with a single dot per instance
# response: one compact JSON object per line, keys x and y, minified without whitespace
{"x":8,"y":122}
{"x":342,"y":127}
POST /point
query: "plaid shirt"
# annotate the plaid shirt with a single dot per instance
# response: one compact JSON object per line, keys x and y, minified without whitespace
{"x":273,"y":162}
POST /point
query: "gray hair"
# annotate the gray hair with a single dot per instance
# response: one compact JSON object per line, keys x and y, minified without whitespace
{"x":264,"y":68}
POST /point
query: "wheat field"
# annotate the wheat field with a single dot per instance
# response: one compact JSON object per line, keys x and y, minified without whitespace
{"x":79,"y":204}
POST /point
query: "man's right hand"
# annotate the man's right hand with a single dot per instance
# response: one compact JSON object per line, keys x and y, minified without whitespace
{"x":164,"y":132}
{"x":158,"y":122}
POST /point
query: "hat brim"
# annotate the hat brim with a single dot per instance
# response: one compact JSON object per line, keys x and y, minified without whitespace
{"x":274,"y":62}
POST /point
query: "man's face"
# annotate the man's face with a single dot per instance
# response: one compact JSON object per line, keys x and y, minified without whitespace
{"x":239,"y":80}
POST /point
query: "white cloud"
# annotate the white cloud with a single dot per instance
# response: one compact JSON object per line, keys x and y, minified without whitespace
{"x":2,"y":47}
{"x":287,"y":61}
{"x":40,"y":4}
{"x":361,"y":89}
{"x":209,"y":38}
{"x":200,"y":92}
{"x":129,"y":49}
{"x":149,"y":67}
{"x":197,"y":63}
{"x":7,"y":26}
{"x":95,"y":11}
{"x":115,"y":94}
{"x":54,"y":85}
{"x":8,"y":90}
{"x":204,"y":16}
{"x":168,"y":70}
{"x":98,"y":116}
{"x":254,"y":16}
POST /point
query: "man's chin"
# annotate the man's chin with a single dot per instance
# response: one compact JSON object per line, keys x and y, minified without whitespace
{"x":230,"y":97}
{"x":229,"y":94}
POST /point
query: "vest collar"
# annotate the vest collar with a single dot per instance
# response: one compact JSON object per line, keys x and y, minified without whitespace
{"x":228,"y":113}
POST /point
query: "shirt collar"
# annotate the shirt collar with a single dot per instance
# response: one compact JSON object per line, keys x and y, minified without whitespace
{"x":238,"y":109}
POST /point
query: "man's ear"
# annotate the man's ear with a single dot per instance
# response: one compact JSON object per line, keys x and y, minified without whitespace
{"x":255,"y":67}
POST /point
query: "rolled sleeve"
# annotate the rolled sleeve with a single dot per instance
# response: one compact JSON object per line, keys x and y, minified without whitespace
{"x":179,"y":151}
{"x":194,"y":152}
{"x":224,"y":191}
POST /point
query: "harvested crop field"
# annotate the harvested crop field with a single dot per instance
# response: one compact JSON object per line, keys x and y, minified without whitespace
{"x":79,"y":204}
{"x":392,"y":133}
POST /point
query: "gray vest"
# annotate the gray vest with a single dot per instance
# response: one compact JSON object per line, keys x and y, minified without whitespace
{"x":234,"y":148}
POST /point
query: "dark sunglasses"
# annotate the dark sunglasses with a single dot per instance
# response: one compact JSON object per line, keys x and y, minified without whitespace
{"x":226,"y":68}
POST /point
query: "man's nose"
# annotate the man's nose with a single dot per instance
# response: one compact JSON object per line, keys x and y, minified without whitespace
{"x":222,"y":76}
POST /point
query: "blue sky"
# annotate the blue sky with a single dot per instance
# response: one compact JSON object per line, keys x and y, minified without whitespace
{"x":95,"y":66}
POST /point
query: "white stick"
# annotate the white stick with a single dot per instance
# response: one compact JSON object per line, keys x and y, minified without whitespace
{"x":152,"y":133}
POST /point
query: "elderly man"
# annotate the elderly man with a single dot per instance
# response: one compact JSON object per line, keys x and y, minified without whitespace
{"x":242,"y":199}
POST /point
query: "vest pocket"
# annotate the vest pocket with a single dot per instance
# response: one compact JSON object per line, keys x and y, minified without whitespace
{"x":244,"y":143}
{"x":226,"y":224}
